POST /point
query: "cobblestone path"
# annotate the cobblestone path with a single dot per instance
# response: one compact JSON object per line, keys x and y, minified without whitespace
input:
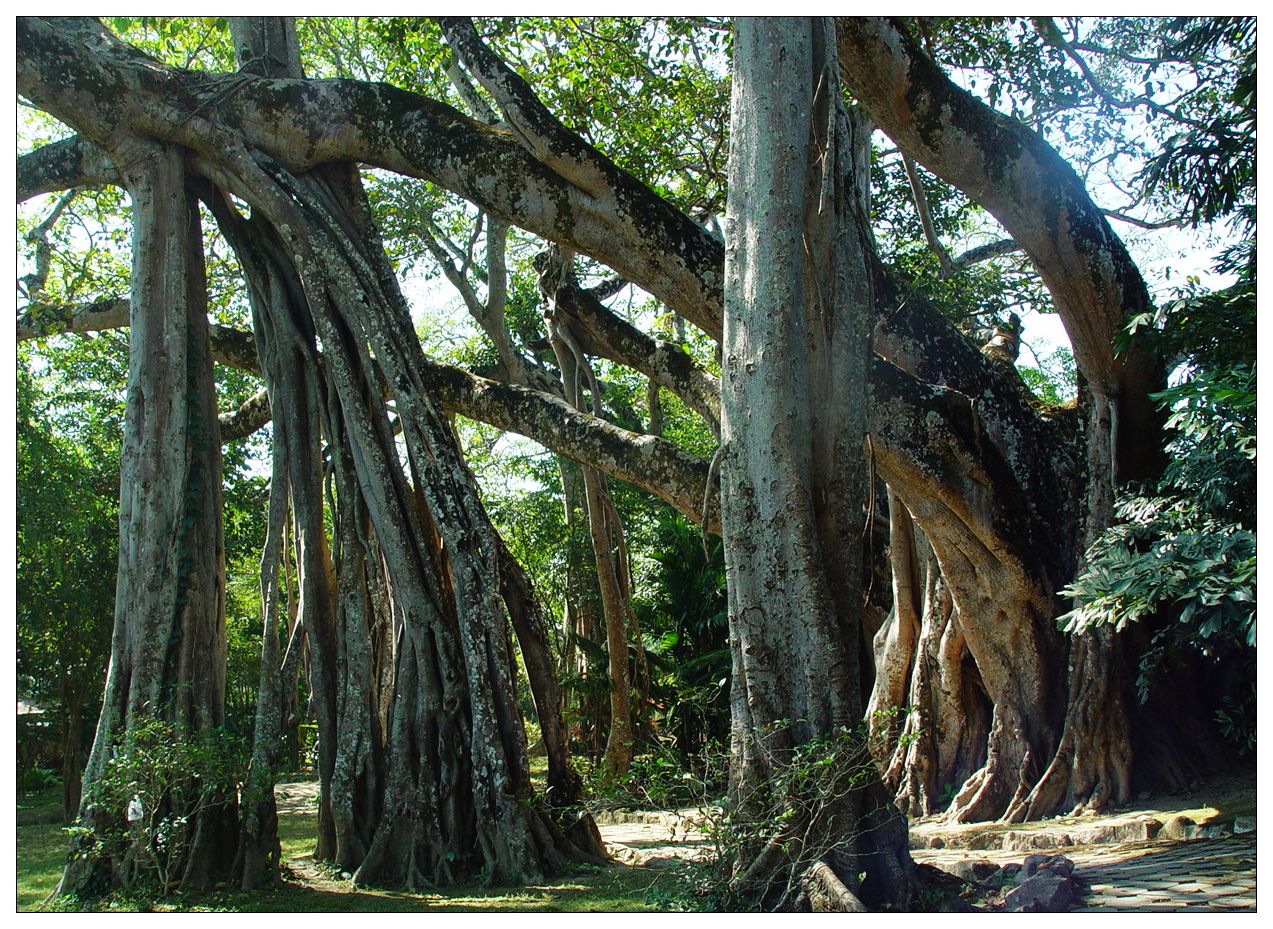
{"x":1205,"y":874}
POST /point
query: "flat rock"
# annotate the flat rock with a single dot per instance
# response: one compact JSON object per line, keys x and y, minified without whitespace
{"x":1140,"y":829}
{"x":1046,"y":892}
{"x":1179,"y":828}
{"x":1020,"y":841}
{"x":972,"y":870}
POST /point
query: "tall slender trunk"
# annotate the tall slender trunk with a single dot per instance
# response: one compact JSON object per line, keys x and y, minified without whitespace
{"x":168,"y":645}
{"x":579,"y":619}
{"x":259,"y":849}
{"x":604,"y":529}
{"x":793,"y":477}
{"x":72,"y":754}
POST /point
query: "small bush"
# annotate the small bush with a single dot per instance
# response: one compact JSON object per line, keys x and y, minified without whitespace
{"x":658,"y":781}
{"x":767,"y":838}
{"x":38,"y":778}
{"x":145,"y":806}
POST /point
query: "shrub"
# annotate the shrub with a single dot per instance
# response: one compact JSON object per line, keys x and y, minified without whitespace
{"x":145,"y":806}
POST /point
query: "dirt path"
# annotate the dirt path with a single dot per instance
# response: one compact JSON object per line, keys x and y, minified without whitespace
{"x":654,"y":838}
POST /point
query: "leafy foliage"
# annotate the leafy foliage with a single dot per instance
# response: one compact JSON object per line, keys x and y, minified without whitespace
{"x":1208,"y":163}
{"x":147,"y":803}
{"x":1185,"y":551}
{"x":67,"y":536}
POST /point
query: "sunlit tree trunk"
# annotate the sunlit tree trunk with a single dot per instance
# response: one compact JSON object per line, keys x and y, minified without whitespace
{"x":168,"y":646}
{"x":793,"y":479}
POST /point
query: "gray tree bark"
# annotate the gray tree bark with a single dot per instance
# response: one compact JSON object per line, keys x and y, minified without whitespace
{"x":168,"y":646}
{"x":795,"y":350}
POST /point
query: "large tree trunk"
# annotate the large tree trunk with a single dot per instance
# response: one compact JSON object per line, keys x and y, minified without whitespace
{"x":1096,"y":287}
{"x":793,"y":478}
{"x":168,"y":646}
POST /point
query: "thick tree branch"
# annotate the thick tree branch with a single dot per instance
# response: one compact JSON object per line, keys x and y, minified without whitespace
{"x":73,"y":162}
{"x":539,"y":130}
{"x":1032,"y":439}
{"x":302,"y":124}
{"x":981,"y":253}
{"x":651,"y":463}
{"x":43,"y":319}
{"x":232,"y":347}
{"x":1011,"y":171}
{"x":644,"y":461}
{"x":1038,"y":198}
{"x":601,"y":332}
{"x":251,"y":415}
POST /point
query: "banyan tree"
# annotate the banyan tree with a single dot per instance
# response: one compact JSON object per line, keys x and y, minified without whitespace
{"x":834,"y":375}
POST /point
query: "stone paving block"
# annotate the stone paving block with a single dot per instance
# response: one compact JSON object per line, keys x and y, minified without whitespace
{"x":1129,"y":902}
{"x":1120,"y":891}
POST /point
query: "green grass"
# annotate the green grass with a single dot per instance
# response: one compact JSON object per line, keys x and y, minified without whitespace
{"x":41,"y":853}
{"x":41,"y":844}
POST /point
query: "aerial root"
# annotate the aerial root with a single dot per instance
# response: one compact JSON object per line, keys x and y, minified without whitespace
{"x":827,"y":893}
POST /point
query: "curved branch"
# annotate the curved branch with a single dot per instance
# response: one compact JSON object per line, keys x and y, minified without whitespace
{"x":1010,"y":170}
{"x":304,"y":123}
{"x":33,"y":283}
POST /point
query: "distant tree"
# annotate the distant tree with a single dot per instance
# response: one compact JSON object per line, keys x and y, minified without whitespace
{"x":68,"y":498}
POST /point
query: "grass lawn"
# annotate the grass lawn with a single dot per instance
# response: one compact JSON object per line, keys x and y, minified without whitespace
{"x":41,"y":845}
{"x":41,"y":853}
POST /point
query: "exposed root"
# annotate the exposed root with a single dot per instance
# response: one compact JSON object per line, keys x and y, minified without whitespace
{"x":827,"y":893}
